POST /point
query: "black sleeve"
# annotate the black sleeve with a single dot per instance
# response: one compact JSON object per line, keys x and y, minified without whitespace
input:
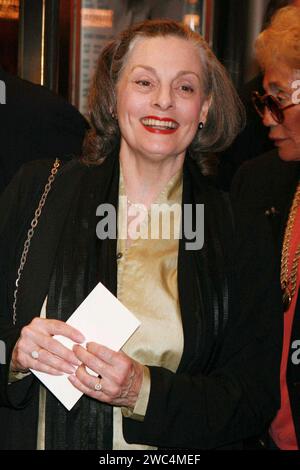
{"x":240,"y":396}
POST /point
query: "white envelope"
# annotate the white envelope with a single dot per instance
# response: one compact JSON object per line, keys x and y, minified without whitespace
{"x":101,"y":318}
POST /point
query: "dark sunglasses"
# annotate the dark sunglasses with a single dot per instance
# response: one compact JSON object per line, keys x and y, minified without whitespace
{"x":273,"y":105}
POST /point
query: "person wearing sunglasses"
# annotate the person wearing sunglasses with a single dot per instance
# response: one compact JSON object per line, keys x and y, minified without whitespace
{"x":269,"y":187}
{"x":253,"y":140}
{"x":272,"y":104}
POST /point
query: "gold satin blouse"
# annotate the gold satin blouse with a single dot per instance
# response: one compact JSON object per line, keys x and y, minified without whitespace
{"x":147,"y":286}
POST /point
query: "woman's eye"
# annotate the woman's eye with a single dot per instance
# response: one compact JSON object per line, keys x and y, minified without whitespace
{"x":143,"y":83}
{"x":186,"y":88}
{"x":282,"y":99}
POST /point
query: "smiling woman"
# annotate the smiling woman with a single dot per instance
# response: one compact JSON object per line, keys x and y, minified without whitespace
{"x":160,"y":103}
{"x":200,"y":77}
{"x":196,"y":373}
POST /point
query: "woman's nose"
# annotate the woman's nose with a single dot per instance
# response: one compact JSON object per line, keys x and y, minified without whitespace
{"x":163,"y":98}
{"x":268,"y":119}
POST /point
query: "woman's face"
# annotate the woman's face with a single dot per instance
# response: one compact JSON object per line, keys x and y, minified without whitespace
{"x":278,"y":82}
{"x":160,"y":100}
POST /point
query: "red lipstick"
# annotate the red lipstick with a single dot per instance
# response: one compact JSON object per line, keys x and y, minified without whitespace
{"x":155,"y":124}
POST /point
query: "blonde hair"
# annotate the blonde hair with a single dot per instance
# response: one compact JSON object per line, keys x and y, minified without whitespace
{"x":280,"y":41}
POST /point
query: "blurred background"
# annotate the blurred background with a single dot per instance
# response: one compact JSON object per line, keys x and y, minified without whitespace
{"x":56,"y":42}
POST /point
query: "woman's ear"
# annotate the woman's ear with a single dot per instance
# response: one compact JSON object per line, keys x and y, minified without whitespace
{"x":204,"y":110}
{"x":113,"y":113}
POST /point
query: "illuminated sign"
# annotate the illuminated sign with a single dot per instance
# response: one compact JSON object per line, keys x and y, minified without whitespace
{"x":9,"y":9}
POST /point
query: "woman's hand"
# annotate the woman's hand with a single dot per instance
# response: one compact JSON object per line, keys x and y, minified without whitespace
{"x":120,"y":376}
{"x":51,"y":356}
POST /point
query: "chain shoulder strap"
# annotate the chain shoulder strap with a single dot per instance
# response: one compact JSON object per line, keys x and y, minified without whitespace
{"x":30,"y":233}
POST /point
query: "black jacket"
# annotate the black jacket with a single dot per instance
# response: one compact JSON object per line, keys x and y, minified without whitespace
{"x":35,"y":124}
{"x":265,"y":187}
{"x":227,"y":384}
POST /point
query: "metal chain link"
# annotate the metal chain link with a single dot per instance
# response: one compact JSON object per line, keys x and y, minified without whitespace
{"x":288,"y":282}
{"x":30,"y":233}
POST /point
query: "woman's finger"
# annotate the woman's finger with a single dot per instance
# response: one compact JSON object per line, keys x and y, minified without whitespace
{"x":102,"y":352}
{"x":97,"y":384}
{"x":90,"y":360}
{"x":29,"y":355}
{"x":57,"y":327}
{"x":36,"y":364}
{"x":114,"y":366}
{"x":53,"y":346}
{"x":87,"y":379}
{"x":97,"y":395}
{"x":49,"y":359}
{"x":117,"y":366}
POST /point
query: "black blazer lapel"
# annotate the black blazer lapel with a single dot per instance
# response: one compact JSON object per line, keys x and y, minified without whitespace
{"x":283,"y":179}
{"x":202,"y":282}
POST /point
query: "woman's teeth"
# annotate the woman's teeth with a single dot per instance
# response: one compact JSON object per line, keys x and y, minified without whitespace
{"x":159,"y":124}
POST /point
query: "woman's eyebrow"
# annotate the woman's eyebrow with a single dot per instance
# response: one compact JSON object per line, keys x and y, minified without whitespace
{"x":151,"y":69}
{"x":147,"y":67}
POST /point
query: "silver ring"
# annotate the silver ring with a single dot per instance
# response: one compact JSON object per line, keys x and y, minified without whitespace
{"x":34,"y":354}
{"x":98,"y":386}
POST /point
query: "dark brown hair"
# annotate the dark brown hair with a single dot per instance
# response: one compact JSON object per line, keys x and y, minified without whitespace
{"x":225,"y":117}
